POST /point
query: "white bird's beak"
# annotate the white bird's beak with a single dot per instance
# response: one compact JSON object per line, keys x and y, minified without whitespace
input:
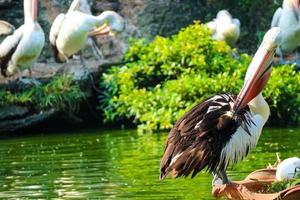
{"x":259,"y":69}
{"x":34,"y":9}
{"x":102,"y":30}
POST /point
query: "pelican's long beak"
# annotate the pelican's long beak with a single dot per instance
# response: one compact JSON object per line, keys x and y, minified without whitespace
{"x":296,"y":7}
{"x":34,"y":9}
{"x":102,"y":30}
{"x":259,"y":70}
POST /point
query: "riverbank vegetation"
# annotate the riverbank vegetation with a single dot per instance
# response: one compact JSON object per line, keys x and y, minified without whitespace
{"x":61,"y":93}
{"x":162,"y":79}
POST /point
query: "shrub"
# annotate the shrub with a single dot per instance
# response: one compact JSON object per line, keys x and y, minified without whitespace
{"x":164,"y":78}
{"x":61,"y":93}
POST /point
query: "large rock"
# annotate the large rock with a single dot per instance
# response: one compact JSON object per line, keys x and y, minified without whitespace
{"x":16,"y":117}
{"x":5,"y":3}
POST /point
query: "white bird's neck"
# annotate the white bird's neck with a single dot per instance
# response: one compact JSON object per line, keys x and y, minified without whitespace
{"x":30,"y":11}
{"x":258,"y":105}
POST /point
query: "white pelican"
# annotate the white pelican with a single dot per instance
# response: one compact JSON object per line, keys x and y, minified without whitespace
{"x":287,"y":19}
{"x":6,"y":28}
{"x":69,"y":32}
{"x":222,"y":129}
{"x":225,"y":28}
{"x":288,"y":169}
{"x":23,"y":48}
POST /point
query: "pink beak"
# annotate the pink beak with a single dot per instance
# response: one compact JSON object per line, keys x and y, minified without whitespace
{"x":34,"y":9}
{"x":259,"y":69}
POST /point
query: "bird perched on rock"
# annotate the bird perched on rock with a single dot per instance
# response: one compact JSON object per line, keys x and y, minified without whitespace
{"x":287,"y":19}
{"x":69,"y":32}
{"x":21,"y":49}
{"x":225,"y":28}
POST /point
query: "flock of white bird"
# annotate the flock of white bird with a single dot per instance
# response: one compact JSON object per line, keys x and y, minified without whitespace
{"x":226,"y":28}
{"x":68,"y":35}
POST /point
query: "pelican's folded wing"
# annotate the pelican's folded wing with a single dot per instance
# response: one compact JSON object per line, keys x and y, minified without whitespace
{"x":54,"y":32}
{"x":8,"y":47}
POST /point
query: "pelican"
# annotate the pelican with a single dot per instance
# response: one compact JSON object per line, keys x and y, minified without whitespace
{"x":287,"y":19}
{"x":6,"y":28}
{"x":288,"y":169}
{"x":222,"y":129}
{"x":70,"y":31}
{"x":21,"y":49}
{"x":225,"y":28}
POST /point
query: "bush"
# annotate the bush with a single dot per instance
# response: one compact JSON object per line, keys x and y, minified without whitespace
{"x":164,"y":78}
{"x":61,"y":93}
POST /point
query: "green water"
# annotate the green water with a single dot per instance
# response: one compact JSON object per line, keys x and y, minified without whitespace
{"x":114,"y":165}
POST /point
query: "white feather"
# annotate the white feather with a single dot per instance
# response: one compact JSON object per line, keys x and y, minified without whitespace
{"x":288,"y":169}
{"x":236,"y":148}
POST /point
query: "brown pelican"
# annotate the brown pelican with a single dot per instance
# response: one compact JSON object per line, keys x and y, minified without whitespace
{"x":288,"y":169}
{"x":222,"y":129}
{"x":225,"y":28}
{"x":21,"y":49}
{"x":287,"y":19}
{"x":6,"y":28}
{"x":69,"y":32}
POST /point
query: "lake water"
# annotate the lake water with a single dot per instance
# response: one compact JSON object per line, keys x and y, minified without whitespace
{"x":114,"y":165}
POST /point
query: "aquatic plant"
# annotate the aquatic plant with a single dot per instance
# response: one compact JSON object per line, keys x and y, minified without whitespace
{"x":62,"y":93}
{"x":162,"y":79}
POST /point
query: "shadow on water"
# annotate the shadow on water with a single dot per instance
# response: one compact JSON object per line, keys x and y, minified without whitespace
{"x":114,"y":165}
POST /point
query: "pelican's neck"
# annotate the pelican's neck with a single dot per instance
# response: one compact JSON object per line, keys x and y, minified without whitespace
{"x":74,"y":6}
{"x":30,"y":11}
{"x":258,"y":105}
{"x":289,"y":3}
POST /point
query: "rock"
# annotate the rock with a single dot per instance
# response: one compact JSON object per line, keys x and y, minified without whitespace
{"x":25,"y":122}
{"x":14,"y":118}
{"x":11,"y":112}
{"x":5,"y":3}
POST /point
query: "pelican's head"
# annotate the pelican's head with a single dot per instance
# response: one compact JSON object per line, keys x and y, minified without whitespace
{"x":111,"y":23}
{"x":224,"y":15}
{"x":291,"y":4}
{"x":6,"y":28}
{"x":259,"y":70}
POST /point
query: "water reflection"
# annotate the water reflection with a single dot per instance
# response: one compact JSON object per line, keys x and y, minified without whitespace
{"x":113,"y":165}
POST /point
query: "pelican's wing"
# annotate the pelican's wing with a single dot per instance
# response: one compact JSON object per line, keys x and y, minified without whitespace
{"x":74,"y":6}
{"x":236,"y":22}
{"x":236,"y":27}
{"x":6,"y":28}
{"x":8,"y":47}
{"x":54,"y":32}
{"x":276,"y":18}
{"x":212,"y":25}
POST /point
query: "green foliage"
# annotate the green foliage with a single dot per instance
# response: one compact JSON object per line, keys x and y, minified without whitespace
{"x":61,"y":93}
{"x":283,"y":95}
{"x":162,"y":79}
{"x":278,"y":186}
